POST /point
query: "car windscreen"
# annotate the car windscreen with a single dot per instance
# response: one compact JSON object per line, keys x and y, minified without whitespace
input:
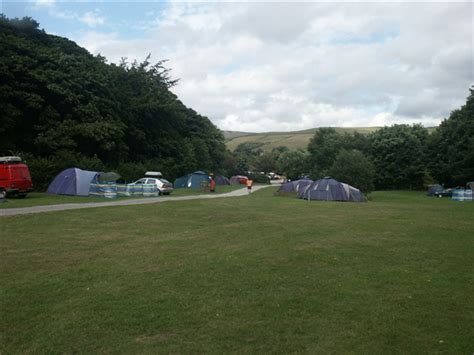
{"x":165,"y":181}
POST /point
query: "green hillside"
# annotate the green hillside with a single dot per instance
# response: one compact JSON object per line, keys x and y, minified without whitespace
{"x":61,"y":107}
{"x":292,"y":140}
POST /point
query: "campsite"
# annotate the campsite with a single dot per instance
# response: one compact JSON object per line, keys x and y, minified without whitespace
{"x":241,"y":275}
{"x":187,"y":177}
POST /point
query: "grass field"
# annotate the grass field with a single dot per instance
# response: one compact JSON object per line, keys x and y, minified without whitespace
{"x":42,"y":198}
{"x":254,"y":274}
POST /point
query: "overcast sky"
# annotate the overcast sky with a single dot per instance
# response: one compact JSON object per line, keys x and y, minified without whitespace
{"x":283,"y":66}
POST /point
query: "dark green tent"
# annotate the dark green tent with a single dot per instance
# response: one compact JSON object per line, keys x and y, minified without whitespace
{"x":192,"y":181}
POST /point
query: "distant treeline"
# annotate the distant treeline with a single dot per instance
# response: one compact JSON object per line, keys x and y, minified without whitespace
{"x":396,"y":157}
{"x":61,"y":107}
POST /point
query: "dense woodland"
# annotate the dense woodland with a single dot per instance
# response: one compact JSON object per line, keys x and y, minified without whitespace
{"x":63,"y":107}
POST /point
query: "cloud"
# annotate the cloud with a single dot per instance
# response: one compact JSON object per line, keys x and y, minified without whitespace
{"x":280,"y":66}
{"x":92,"y":18}
{"x":57,"y":10}
{"x":44,"y":3}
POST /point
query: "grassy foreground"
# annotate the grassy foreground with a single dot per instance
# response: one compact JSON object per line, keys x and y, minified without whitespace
{"x":43,"y":198}
{"x":251,"y":274}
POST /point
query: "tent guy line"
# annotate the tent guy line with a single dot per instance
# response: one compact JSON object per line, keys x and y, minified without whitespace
{"x":143,"y":201}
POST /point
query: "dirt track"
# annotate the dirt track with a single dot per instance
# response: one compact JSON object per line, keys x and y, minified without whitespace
{"x":142,"y":201}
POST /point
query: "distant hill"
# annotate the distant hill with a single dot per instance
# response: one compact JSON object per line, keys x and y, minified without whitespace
{"x":293,"y":140}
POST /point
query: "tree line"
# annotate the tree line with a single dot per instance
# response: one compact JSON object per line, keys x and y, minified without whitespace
{"x":397,"y":157}
{"x":63,"y":107}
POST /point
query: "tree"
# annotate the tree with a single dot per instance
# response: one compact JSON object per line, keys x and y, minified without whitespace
{"x":266,"y":162}
{"x":57,"y":97}
{"x":323,"y":148}
{"x":293,"y":163}
{"x":451,"y":147}
{"x":399,"y":156}
{"x":353,"y":168}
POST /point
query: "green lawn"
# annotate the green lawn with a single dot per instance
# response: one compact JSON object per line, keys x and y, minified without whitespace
{"x":255,"y":274}
{"x":42,"y":198}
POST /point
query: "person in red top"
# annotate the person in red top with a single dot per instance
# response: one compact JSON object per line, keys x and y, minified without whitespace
{"x":212,"y":185}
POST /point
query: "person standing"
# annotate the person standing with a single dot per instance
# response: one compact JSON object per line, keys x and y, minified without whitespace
{"x":212,"y":185}
{"x":249,"y":185}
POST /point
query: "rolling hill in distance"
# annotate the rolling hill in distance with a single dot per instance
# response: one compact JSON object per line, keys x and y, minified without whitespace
{"x":291,"y":140}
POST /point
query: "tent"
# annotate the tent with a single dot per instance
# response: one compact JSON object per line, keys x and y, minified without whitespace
{"x":193,"y":181}
{"x":287,"y":187}
{"x":72,"y":181}
{"x":433,"y":190}
{"x":238,"y":180}
{"x":295,"y":186}
{"x":329,"y":189}
{"x":221,"y":180}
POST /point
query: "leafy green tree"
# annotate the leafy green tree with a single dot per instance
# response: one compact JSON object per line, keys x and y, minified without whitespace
{"x":353,"y":168}
{"x":293,"y":163}
{"x":323,"y":148}
{"x":451,"y":147}
{"x":399,"y":155}
{"x":266,"y":162}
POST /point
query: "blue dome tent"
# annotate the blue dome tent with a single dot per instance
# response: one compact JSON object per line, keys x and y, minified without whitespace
{"x":329,"y":189}
{"x":192,"y":181}
{"x":72,"y":181}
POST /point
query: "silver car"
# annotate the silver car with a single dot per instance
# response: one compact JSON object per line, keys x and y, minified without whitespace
{"x":164,"y":186}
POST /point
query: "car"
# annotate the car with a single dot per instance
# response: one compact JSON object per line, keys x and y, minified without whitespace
{"x":444,"y":193}
{"x":15,"y":177}
{"x":163,"y":186}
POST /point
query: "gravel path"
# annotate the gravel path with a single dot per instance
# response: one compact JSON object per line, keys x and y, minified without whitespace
{"x":142,"y":201}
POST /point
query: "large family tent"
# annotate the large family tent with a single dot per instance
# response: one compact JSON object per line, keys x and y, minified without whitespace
{"x":72,"y":181}
{"x":193,"y":181}
{"x":221,"y":180}
{"x":433,"y":190}
{"x":295,"y":186}
{"x":238,"y":180}
{"x":329,"y":189}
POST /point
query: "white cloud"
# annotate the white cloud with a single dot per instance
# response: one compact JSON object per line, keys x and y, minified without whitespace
{"x":281,"y":66}
{"x":92,"y":18}
{"x":44,"y":3}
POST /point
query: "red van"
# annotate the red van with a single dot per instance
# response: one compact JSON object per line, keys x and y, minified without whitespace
{"x":15,"y":177}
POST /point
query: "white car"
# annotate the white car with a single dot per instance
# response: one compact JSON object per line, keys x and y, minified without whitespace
{"x":164,"y":186}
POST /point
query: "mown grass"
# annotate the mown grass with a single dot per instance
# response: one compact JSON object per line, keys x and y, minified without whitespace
{"x":42,"y":198}
{"x":251,"y":274}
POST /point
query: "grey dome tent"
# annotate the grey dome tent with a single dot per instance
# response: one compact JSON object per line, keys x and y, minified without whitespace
{"x":192,"y":181}
{"x":295,"y":186}
{"x":329,"y":189}
{"x":72,"y":181}
{"x":287,"y":187}
{"x":221,"y":180}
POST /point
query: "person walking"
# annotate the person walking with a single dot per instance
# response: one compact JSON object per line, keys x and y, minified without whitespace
{"x":249,"y":185}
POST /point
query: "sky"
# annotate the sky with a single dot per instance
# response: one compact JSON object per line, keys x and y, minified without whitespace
{"x":286,"y":66}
